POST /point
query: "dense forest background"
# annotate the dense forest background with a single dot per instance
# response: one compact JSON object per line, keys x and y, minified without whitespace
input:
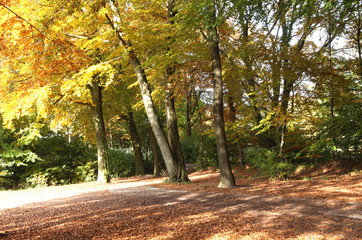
{"x":98,"y":89}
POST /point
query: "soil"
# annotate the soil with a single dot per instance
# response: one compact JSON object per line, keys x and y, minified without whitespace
{"x":318,"y":207}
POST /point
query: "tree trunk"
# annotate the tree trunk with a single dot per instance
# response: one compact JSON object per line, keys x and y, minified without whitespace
{"x":140,"y":169}
{"x":250,"y":77}
{"x":227,"y":179}
{"x":276,"y":77}
{"x":156,"y":156}
{"x":97,"y":111}
{"x":171,"y":119}
{"x":166,"y":152}
{"x":233,"y":119}
{"x":331,"y":93}
{"x":288,"y":80}
{"x":192,"y":102}
{"x":188,"y":116}
{"x":287,"y":88}
{"x":173,"y":135}
{"x":200,"y":158}
{"x":359,"y":38}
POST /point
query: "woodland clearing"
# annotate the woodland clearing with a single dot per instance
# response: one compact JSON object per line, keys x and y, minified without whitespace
{"x":145,"y":208}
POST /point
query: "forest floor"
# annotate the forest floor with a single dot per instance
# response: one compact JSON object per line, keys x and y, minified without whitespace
{"x":324,"y":204}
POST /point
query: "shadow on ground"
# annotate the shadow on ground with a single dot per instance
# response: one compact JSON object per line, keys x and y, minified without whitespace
{"x":145,"y":212}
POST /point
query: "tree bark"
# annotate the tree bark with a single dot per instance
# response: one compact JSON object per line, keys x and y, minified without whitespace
{"x":287,"y":88}
{"x":166,"y":151}
{"x":97,"y":111}
{"x":227,"y":179}
{"x":188,"y":113}
{"x":156,"y":156}
{"x":288,"y":80}
{"x":192,"y":102}
{"x":173,"y":135}
{"x":359,"y":38}
{"x":276,"y":80}
{"x":140,"y":169}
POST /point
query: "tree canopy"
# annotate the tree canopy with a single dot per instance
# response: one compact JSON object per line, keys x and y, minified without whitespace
{"x":284,"y":76}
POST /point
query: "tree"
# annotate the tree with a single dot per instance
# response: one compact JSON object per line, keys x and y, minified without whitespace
{"x":97,"y":111}
{"x":71,"y":61}
{"x":171,"y":118}
{"x":208,"y":21}
{"x":57,"y":86}
{"x":226,"y":176}
{"x":136,"y":143}
{"x":169,"y":158}
{"x":156,"y":157}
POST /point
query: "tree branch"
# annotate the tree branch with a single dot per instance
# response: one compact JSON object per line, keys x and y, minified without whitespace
{"x":61,"y":96}
{"x":83,"y":104}
{"x":203,"y":34}
{"x":31,"y":25}
{"x":17,"y":15}
{"x":118,"y":34}
{"x":79,"y":37}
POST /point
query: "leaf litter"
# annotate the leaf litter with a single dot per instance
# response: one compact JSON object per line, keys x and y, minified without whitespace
{"x":146,"y":208}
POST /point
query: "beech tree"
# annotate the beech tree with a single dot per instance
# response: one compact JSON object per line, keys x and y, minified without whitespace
{"x":175,"y":165}
{"x":279,"y":80}
{"x":171,"y":118}
{"x":209,"y":23}
{"x":122,"y":101}
{"x":226,"y":176}
{"x":56,"y":86}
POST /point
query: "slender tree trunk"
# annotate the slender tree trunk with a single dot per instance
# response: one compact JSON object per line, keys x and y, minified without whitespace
{"x":171,"y":118}
{"x":156,"y":156}
{"x":276,"y":66}
{"x":173,"y":135}
{"x":287,"y":88}
{"x":192,"y":102}
{"x":250,"y":77}
{"x":331,"y":93}
{"x":359,"y":38}
{"x":200,"y":159}
{"x":166,"y":152}
{"x":227,"y":179}
{"x":188,"y":116}
{"x":140,"y":169}
{"x":233,"y":119}
{"x":288,"y":78}
{"x":97,"y":111}
{"x":232,"y":109}
{"x":110,"y":135}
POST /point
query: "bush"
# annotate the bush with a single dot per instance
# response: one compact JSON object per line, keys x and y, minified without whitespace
{"x":121,"y":163}
{"x":64,"y":162}
{"x":190,"y":148}
{"x":210,"y":152}
{"x":267,"y":162}
{"x":86,"y":173}
{"x":50,"y":160}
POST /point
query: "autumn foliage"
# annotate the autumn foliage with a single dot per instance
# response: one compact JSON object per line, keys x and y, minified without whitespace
{"x":286,"y":89}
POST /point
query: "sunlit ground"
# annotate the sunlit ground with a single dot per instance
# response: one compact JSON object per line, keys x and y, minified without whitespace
{"x":130,"y":209}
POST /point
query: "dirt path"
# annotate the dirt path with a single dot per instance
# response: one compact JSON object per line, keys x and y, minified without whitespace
{"x":132,"y":209}
{"x":11,"y":199}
